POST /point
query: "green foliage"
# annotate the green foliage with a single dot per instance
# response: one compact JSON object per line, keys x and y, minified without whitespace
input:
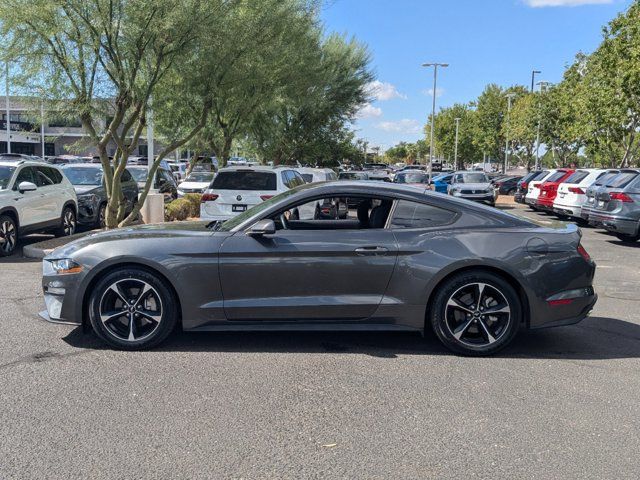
{"x":179,"y":209}
{"x":194,"y":200}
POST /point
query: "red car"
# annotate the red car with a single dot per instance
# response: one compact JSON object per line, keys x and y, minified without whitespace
{"x":549,"y":189}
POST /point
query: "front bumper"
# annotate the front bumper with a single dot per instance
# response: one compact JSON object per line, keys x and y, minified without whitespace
{"x":62,"y":298}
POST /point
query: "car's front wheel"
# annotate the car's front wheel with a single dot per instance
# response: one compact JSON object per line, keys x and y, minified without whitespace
{"x":68,"y":223}
{"x":132,"y":309}
{"x":475,"y":313}
{"x":8,"y":235}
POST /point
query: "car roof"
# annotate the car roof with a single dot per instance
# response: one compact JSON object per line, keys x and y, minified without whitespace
{"x":250,"y":168}
{"x":22,"y":162}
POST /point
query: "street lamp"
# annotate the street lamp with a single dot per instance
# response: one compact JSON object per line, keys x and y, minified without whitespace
{"x":510,"y":97}
{"x":8,"y":121}
{"x":542,"y":86}
{"x":433,"y":110}
{"x":533,"y":78}
{"x":455,"y":154}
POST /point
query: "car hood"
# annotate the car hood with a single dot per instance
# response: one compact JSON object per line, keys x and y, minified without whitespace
{"x":169,"y":229}
{"x":473,"y":186}
{"x":82,"y":189}
{"x":194,"y":185}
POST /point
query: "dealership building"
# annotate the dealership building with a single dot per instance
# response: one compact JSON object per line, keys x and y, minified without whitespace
{"x":34,"y":131}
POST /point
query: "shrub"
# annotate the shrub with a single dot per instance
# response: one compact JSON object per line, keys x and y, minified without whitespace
{"x":179,"y":209}
{"x":194,"y":200}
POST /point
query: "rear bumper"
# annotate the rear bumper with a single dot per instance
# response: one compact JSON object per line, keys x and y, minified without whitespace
{"x":570,"y":210}
{"x":565,"y":308}
{"x":617,"y":224}
{"x":544,"y":204}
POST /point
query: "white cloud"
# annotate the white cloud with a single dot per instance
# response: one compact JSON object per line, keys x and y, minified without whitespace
{"x":429,"y":93}
{"x":369,"y":111}
{"x":406,"y":126}
{"x":384,"y":91}
{"x":564,"y":3}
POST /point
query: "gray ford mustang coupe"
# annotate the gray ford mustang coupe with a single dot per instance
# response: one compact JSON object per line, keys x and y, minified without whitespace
{"x":403,"y":259}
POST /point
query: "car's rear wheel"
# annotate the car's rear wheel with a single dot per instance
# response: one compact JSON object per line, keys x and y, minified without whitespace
{"x":68,"y":223}
{"x":101,"y":221}
{"x":132,"y":309}
{"x":628,"y":238}
{"x":476,"y":313}
{"x":8,"y":235}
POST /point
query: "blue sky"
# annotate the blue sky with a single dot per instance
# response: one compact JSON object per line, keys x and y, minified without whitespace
{"x":484,"y":41}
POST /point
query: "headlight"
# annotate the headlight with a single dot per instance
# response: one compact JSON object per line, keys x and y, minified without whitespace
{"x":61,"y":266}
{"x":89,"y":198}
{"x":180,"y":192}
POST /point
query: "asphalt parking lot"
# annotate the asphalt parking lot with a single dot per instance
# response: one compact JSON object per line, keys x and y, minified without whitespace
{"x":558,"y":403}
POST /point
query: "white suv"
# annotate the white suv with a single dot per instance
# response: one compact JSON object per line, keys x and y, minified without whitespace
{"x":235,"y":189}
{"x":34,"y":197}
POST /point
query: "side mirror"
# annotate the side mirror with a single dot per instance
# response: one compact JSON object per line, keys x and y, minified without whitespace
{"x":27,"y":187}
{"x":262,"y":227}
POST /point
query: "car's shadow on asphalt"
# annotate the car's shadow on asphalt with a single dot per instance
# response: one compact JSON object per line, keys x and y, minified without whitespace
{"x":595,"y":338}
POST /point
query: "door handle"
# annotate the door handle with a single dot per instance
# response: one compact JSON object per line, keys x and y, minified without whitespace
{"x":371,"y":250}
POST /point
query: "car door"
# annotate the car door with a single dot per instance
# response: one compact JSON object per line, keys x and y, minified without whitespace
{"x":28,"y":204}
{"x":306,"y":275}
{"x":49,"y":205}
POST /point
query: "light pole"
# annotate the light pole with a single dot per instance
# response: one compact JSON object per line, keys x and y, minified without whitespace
{"x":510,"y":97}
{"x":542,"y":85}
{"x":433,"y":109}
{"x":455,"y":154}
{"x":8,"y":120}
{"x":533,"y":78}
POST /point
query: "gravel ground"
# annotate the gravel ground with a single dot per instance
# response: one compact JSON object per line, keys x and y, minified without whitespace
{"x":558,"y":403}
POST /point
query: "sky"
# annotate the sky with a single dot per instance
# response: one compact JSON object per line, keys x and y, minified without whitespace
{"x":484,"y":41}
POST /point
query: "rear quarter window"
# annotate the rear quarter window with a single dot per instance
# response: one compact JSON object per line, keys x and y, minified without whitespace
{"x":556,"y":176}
{"x":245,"y":180}
{"x":409,"y":214}
{"x":577,"y":177}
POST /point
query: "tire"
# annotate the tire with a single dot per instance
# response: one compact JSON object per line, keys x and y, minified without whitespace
{"x":627,"y":238}
{"x":8,"y":235}
{"x":154,"y":310}
{"x":458,"y":321}
{"x":101,"y":221}
{"x":68,"y":222}
{"x":511,"y":192}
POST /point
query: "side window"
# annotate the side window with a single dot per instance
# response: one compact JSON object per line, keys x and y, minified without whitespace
{"x":296,"y":179}
{"x":54,"y":175}
{"x":286,"y":178}
{"x":126,"y":177}
{"x":457,"y":179}
{"x":42,"y":177}
{"x":24,"y":175}
{"x":419,"y":215}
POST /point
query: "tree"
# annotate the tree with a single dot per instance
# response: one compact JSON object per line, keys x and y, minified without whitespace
{"x":102,"y":58}
{"x":445,"y":133}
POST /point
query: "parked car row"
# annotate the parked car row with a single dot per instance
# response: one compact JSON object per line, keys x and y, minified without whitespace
{"x":608,"y":198}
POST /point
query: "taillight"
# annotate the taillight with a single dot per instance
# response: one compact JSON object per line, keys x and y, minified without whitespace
{"x":577,"y":190}
{"x":209,"y":197}
{"x":265,"y":197}
{"x":525,"y":185}
{"x":583,"y":253}
{"x":623,"y":197}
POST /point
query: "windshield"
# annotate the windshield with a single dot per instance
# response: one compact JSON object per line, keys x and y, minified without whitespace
{"x":556,"y":176}
{"x":139,"y":174}
{"x":352,"y":176}
{"x":413,"y":177}
{"x":5,"y":176}
{"x":472,"y":178}
{"x":245,"y":180}
{"x":200,"y":177}
{"x":605,"y":178}
{"x":84,"y":175}
{"x":621,"y":180}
